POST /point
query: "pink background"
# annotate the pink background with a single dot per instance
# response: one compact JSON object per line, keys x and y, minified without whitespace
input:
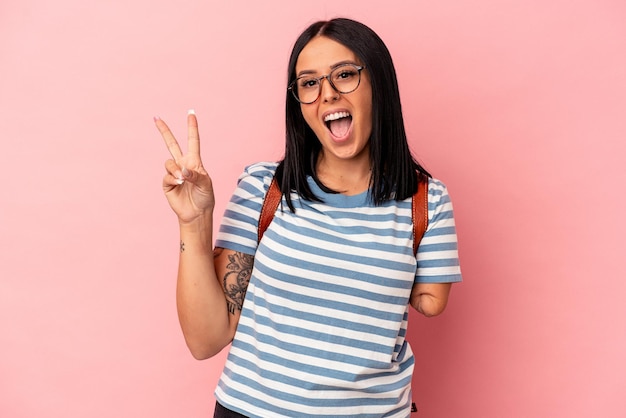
{"x":518,"y":105}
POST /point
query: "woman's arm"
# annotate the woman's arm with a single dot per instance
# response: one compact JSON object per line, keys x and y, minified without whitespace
{"x":210,"y":290}
{"x":207,"y":316}
{"x":430,"y":299}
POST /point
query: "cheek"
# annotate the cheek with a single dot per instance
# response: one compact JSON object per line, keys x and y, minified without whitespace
{"x":367,"y":117}
{"x":310,"y":117}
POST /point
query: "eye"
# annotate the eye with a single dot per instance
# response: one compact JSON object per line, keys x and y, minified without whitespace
{"x":344,"y":73}
{"x":307,"y":83}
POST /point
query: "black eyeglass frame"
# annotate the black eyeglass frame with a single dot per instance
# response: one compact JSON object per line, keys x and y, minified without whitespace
{"x":294,"y":91}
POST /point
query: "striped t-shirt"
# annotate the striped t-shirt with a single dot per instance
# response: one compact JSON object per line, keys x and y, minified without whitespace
{"x":323,"y":325}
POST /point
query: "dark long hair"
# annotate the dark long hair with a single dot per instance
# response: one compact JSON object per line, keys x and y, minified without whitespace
{"x":394,"y":170}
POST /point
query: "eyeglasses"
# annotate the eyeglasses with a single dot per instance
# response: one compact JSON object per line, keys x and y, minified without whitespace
{"x":343,"y":79}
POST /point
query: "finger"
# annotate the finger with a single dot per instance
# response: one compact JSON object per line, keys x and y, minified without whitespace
{"x":174,"y":170}
{"x":193,"y":136}
{"x":198,"y":178}
{"x":168,"y":137}
{"x":170,"y":182}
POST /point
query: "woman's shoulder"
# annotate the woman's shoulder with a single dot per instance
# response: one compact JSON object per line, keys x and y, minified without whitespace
{"x":436,"y":187}
{"x":262,"y":169}
{"x":262,"y":172}
{"x":438,"y":196}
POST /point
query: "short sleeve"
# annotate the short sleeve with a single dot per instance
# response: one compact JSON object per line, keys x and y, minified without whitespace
{"x":238,"y":229}
{"x":437,"y":254}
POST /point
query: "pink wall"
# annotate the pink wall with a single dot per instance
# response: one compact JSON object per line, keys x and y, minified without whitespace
{"x":518,"y":105}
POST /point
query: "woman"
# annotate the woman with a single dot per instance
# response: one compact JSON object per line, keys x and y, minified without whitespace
{"x":317,"y":310}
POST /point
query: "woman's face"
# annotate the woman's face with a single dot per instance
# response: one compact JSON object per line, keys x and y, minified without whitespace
{"x":341,"y":122}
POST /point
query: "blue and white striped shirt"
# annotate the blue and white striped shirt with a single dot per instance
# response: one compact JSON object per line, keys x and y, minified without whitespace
{"x":323,"y":325}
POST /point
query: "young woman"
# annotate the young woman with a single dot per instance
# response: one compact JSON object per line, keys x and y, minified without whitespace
{"x":317,"y":310}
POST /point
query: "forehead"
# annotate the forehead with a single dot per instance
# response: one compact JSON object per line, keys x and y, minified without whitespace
{"x":322,"y":53}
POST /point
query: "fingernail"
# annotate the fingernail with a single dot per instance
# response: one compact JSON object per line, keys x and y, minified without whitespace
{"x":191,"y":112}
{"x":180,"y":181}
{"x":155,"y":118}
{"x":185,"y":171}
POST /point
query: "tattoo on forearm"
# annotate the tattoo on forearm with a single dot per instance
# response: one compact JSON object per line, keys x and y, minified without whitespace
{"x":236,"y":280}
{"x":182,"y":247}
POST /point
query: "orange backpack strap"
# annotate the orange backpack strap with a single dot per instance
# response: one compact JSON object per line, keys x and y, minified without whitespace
{"x":270,"y":203}
{"x":420,"y":211}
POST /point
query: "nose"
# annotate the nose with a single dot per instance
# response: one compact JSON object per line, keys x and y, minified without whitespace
{"x":328,"y":92}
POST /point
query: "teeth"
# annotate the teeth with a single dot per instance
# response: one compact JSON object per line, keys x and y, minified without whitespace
{"x":336,"y":115}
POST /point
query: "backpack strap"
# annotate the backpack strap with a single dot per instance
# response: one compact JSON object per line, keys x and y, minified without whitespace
{"x":270,"y":203}
{"x":419,"y":209}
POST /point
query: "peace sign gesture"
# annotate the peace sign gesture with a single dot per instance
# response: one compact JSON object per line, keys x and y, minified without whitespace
{"x":187,"y":185}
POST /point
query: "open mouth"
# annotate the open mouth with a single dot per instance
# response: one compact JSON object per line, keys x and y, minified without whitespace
{"x":338,"y":123}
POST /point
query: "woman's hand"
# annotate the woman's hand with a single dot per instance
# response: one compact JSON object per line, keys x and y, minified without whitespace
{"x":187,"y":185}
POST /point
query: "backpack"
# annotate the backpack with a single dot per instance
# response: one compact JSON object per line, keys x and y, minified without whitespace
{"x":419,"y":213}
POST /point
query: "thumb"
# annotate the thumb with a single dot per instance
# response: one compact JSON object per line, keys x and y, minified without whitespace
{"x":195,"y":177}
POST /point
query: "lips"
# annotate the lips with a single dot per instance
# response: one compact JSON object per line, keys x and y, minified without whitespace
{"x":338,"y":123}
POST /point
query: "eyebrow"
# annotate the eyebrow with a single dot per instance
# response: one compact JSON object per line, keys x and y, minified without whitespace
{"x":332,"y":67}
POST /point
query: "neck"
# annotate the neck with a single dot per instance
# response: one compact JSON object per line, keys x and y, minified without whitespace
{"x":347,"y":177}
